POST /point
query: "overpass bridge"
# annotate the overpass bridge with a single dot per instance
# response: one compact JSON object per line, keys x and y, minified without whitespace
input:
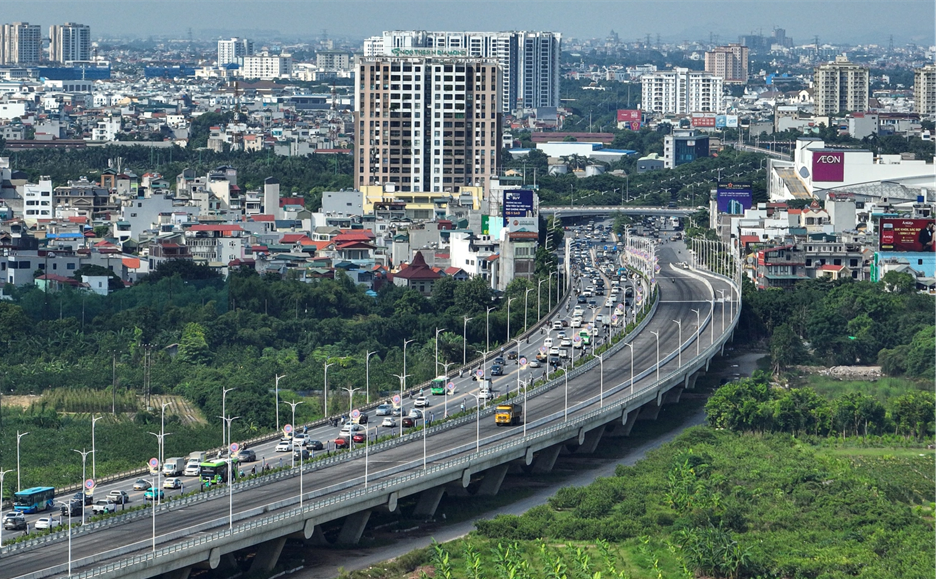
{"x":603,"y":398}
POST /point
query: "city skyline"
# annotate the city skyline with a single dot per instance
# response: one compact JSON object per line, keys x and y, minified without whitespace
{"x":674,"y":21}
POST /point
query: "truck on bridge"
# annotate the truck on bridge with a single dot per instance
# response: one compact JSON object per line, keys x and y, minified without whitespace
{"x":509,"y":415}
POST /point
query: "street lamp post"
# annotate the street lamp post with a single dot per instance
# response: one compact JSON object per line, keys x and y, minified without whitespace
{"x":526,"y":312}
{"x":401,"y":378}
{"x":539,"y":298}
{"x":84,"y":454}
{"x":69,"y":509}
{"x":293,"y":406}
{"x":601,"y":394}
{"x":477,"y":402}
{"x":18,"y":437}
{"x":509,"y":301}
{"x":631,"y":346}
{"x":657,"y":334}
{"x":466,"y":319}
{"x":225,"y":391}
{"x":160,"y":438}
{"x":722,"y":291}
{"x":350,"y":413}
{"x":368,"y":354}
{"x":94,"y":419}
{"x":566,"y":413}
{"x":698,"y":331}
{"x":437,"y":331}
{"x":325,"y":387}
{"x":277,"y":403}
{"x":679,"y":343}
{"x":447,"y":366}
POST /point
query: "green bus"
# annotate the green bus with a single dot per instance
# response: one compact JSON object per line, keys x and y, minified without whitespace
{"x":214,"y":472}
{"x":438,"y":384}
{"x":585,"y":335}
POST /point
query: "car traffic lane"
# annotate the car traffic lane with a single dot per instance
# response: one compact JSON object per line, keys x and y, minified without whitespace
{"x":580,"y":388}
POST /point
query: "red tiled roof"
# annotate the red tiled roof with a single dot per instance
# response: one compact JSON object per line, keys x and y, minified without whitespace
{"x":831,"y":267}
{"x":453,"y":270}
{"x":750,"y":239}
{"x":418,"y":270}
{"x":282,"y":201}
{"x":293,"y":238}
{"x":263,"y":217}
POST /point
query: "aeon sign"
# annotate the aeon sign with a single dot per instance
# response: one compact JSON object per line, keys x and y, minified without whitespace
{"x":828,"y":166}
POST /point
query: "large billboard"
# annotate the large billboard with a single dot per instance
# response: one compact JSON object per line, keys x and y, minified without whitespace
{"x":733,"y":198}
{"x":703,"y":120}
{"x":530,"y":224}
{"x":896,"y":234}
{"x":828,"y":166}
{"x":631,"y":119}
{"x":518,"y":203}
{"x":726,"y":121}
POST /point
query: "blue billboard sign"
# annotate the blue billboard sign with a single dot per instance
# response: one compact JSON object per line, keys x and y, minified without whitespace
{"x":518,"y":203}
{"x":733,"y":198}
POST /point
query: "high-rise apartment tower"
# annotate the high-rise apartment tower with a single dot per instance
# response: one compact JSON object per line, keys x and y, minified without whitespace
{"x":425,"y":122}
{"x":69,"y":41}
{"x":20,"y":43}
{"x":840,"y":86}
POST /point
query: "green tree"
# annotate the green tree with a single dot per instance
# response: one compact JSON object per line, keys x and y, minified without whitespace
{"x":786,"y":348}
{"x":194,"y":348}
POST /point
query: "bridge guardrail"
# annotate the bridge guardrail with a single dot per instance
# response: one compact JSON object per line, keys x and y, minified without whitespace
{"x":516,"y":441}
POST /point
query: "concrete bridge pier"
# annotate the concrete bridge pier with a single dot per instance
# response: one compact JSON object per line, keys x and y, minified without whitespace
{"x":672,"y":396}
{"x":493,"y":480}
{"x":353,"y":527}
{"x":626,"y":424}
{"x":267,"y":555}
{"x":589,"y":440}
{"x":544,"y":461}
{"x":690,"y":381}
{"x":428,"y":502}
{"x":650,"y":410}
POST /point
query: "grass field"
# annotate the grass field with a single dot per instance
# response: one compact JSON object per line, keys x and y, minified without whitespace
{"x":882,"y":389}
{"x":894,"y":452}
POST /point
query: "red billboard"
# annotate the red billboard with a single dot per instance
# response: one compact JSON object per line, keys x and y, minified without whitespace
{"x":628,"y":115}
{"x":897,"y":234}
{"x":828,"y":166}
{"x":703,"y":121}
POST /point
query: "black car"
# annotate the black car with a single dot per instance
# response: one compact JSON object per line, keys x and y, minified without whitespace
{"x":582,"y":299}
{"x":82,"y":497}
{"x":499,"y":361}
{"x":301,"y":454}
{"x":496,"y":370}
{"x":75,"y":508}
{"x":246,"y":455}
{"x":512,"y":355}
{"x":314,"y":445}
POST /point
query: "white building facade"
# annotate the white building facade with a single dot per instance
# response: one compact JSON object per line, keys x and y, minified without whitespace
{"x":681,"y":91}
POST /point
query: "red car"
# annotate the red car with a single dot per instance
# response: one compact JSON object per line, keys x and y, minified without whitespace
{"x":359,"y":437}
{"x":408,"y":422}
{"x":342,"y":442}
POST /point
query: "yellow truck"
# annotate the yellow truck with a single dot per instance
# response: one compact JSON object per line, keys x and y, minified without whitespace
{"x":509,"y":414}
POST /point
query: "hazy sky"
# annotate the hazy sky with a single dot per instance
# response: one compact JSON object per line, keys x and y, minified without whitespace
{"x":839,"y":21}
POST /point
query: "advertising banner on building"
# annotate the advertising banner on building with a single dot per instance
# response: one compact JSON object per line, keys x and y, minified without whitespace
{"x":530,"y":224}
{"x":828,"y":166}
{"x":720,"y":121}
{"x":897,"y":234}
{"x":731,"y":121}
{"x":631,"y":119}
{"x":703,"y":120}
{"x":733,"y":198}
{"x":518,"y":203}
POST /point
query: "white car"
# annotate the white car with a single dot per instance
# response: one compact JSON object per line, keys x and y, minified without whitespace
{"x":283,"y":446}
{"x":421,"y":402}
{"x":47,"y":523}
{"x":566,"y":343}
{"x":191,"y":469}
{"x":172,"y":483}
{"x":389,"y":422}
{"x":300,"y":439}
{"x":553,"y":351}
{"x":348,"y":428}
{"x":547,"y":342}
{"x":415,"y":414}
{"x":560,"y":335}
